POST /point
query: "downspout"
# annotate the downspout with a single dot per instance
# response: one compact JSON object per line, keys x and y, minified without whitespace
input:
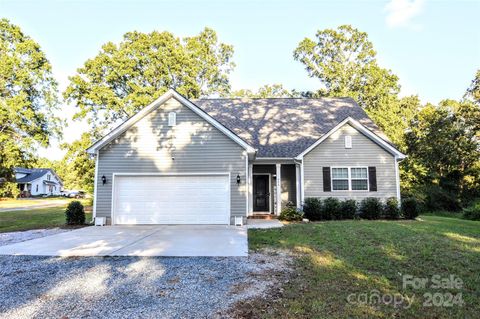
{"x":397,"y":178}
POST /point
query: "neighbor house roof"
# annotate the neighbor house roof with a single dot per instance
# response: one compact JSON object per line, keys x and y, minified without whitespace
{"x":33,"y":174}
{"x":284,"y":127}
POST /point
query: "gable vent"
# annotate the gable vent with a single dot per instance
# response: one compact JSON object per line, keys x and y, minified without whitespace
{"x":172,"y":119}
{"x":348,"y":141}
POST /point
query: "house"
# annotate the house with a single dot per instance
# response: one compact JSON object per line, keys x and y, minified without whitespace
{"x":209,"y":161}
{"x":37,"y":181}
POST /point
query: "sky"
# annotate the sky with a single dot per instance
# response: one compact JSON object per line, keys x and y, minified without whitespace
{"x":433,"y":46}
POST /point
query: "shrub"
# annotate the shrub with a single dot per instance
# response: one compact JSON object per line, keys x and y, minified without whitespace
{"x":348,"y":208}
{"x":331,"y":209}
{"x":75,"y":214}
{"x":438,"y":198}
{"x":391,"y":209}
{"x":472,"y":212}
{"x":291,"y":213}
{"x":9,"y":189}
{"x":370,"y":208}
{"x":312,"y":208}
{"x":410,"y":208}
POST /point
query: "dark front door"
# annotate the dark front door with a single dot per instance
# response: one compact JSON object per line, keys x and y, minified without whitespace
{"x":261,"y":193}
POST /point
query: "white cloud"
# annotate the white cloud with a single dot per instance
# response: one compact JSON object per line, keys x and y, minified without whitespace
{"x":400,"y":13}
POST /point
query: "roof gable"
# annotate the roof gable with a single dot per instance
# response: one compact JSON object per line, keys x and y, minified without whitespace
{"x":153,"y":106}
{"x":362,"y":129}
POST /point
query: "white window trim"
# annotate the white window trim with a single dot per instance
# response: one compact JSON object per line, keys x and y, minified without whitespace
{"x":349,"y":168}
{"x":172,"y":119}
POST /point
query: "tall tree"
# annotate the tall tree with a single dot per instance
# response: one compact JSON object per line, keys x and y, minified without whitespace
{"x":28,"y":98}
{"x":78,"y":167}
{"x":443,"y":141}
{"x":345,"y":63}
{"x":473,"y":92}
{"x":266,"y":91}
{"x":394,"y":117}
{"x":125,"y":77}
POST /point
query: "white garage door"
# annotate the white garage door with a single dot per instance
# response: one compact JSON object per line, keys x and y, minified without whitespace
{"x":179,"y":199}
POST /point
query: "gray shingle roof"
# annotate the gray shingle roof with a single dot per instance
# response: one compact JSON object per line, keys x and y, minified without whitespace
{"x":32,"y":173}
{"x":284,"y":127}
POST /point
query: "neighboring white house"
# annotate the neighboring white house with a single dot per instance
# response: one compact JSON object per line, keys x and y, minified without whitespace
{"x":38,"y":181}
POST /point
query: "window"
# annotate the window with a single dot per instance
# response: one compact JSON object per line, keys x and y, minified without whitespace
{"x":36,"y":189}
{"x":359,"y":178}
{"x":48,"y":177}
{"x":172,"y":119}
{"x":348,"y":141}
{"x":349,"y":178}
{"x":340,"y":179}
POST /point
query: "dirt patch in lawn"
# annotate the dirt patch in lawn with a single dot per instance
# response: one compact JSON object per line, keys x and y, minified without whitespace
{"x":264,"y":286}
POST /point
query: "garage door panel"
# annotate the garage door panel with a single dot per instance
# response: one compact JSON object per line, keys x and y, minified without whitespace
{"x":181,"y":199}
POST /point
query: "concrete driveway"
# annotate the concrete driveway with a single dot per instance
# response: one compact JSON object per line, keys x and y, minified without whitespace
{"x":178,"y":240}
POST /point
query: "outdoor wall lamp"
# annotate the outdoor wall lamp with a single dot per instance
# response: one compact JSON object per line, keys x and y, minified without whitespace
{"x":104,"y":180}
{"x":238,"y":179}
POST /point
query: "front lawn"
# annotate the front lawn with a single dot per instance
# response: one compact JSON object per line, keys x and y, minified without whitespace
{"x":34,"y":219}
{"x":350,"y":260}
{"x":21,"y":202}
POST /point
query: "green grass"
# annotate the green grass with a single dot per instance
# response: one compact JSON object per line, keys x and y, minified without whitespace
{"x":34,"y":219}
{"x":12,"y":203}
{"x":338,"y":258}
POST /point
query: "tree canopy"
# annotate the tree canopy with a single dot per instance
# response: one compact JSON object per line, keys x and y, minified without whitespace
{"x":473,"y":92}
{"x":442,"y":141}
{"x":127,"y":76}
{"x":78,"y":166}
{"x":28,"y":98}
{"x":345,"y":63}
{"x":265,"y":91}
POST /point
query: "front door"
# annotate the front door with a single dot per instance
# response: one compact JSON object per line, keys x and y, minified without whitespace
{"x":261,"y":193}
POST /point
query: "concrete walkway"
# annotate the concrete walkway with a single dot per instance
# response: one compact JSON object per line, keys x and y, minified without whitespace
{"x":263,"y":223}
{"x":180,"y":240}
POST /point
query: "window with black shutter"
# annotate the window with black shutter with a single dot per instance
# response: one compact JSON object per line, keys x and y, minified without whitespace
{"x":372,"y":178}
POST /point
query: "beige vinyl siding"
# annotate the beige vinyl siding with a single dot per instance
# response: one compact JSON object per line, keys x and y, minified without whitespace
{"x":149,"y":145}
{"x":364,"y":152}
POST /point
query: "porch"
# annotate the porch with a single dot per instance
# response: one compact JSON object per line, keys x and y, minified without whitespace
{"x":272,"y":185}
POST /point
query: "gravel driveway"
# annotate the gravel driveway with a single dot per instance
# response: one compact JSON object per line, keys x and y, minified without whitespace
{"x":132,"y":287}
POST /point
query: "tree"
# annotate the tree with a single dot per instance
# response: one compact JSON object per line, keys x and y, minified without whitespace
{"x":123,"y":78}
{"x":473,"y":91}
{"x":78,"y":168}
{"x":443,"y":141}
{"x":266,"y":91}
{"x":28,"y":98}
{"x":395,"y":116}
{"x":345,"y":63}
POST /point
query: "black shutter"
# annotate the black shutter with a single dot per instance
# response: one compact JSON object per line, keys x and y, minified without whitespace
{"x":372,"y":178}
{"x":327,"y":187}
